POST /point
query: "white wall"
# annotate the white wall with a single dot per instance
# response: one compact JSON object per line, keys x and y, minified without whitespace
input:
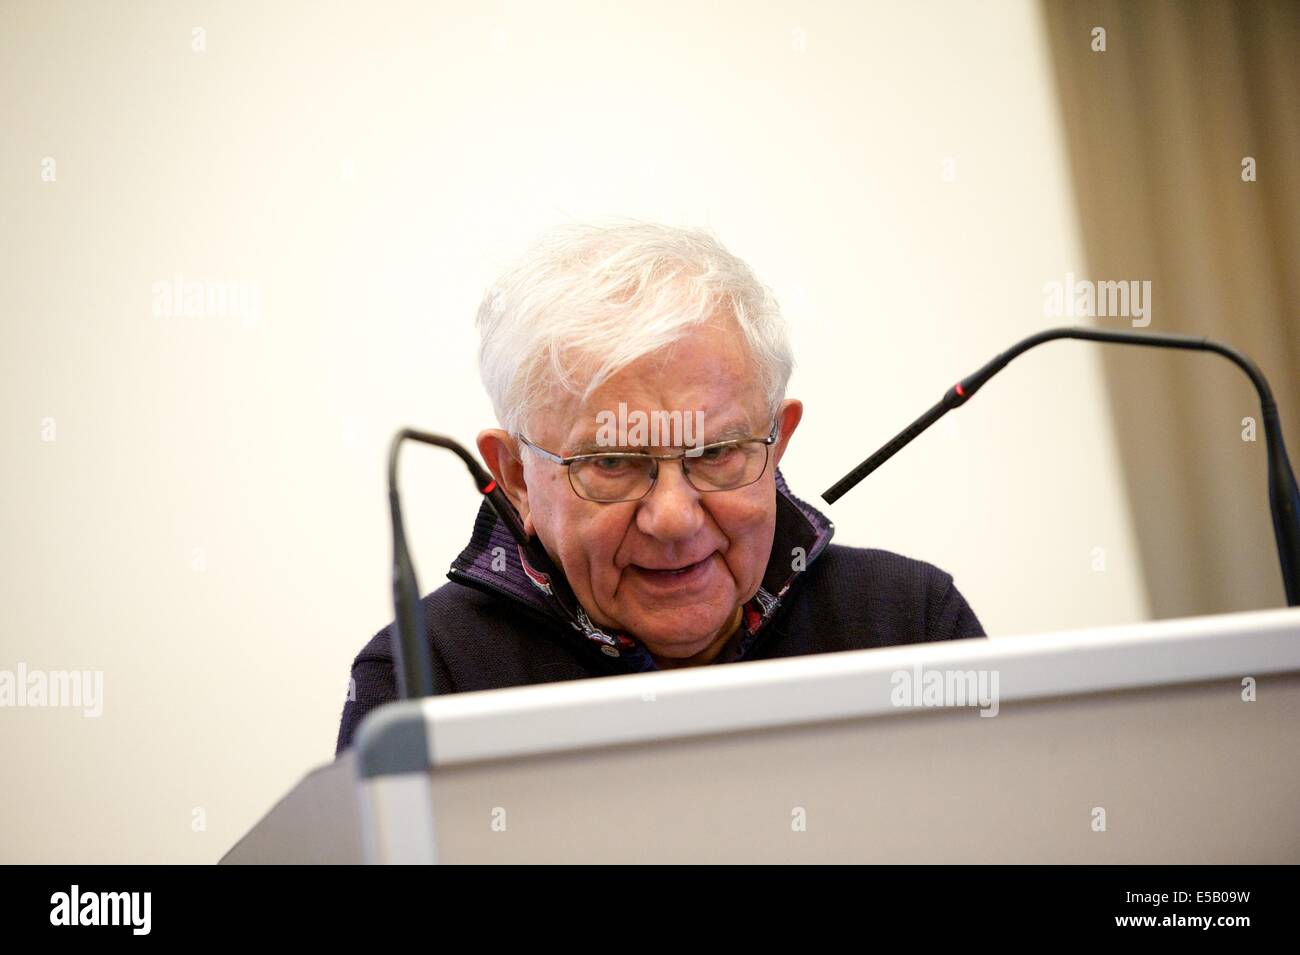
{"x":208,"y":526}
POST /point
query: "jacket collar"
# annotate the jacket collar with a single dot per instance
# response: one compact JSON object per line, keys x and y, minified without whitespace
{"x":493,"y":562}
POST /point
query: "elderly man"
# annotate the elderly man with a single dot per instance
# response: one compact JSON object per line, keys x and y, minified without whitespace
{"x":682,"y":549}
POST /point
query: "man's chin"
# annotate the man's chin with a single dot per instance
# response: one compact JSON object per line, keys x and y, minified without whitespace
{"x":679,"y":639}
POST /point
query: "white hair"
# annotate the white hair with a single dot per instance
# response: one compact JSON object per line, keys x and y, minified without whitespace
{"x":597,"y":297}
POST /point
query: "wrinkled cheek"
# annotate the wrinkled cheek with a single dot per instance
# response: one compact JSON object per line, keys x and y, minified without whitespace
{"x":602,"y":580}
{"x":751,"y":553}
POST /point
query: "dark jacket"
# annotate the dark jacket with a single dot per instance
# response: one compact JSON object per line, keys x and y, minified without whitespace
{"x":496,"y":625}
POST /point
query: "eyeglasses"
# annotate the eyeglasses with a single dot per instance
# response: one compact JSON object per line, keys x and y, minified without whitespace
{"x":611,"y":477}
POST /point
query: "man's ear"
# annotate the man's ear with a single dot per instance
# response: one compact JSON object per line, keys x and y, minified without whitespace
{"x":498,"y":451}
{"x":789,"y":414}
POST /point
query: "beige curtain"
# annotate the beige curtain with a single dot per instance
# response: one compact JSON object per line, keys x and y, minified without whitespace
{"x":1158,"y":126}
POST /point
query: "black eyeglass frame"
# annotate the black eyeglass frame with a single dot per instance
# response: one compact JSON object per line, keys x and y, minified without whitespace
{"x":682,"y":455}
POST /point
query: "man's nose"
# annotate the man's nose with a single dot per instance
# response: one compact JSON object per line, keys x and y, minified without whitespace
{"x":672,"y":510}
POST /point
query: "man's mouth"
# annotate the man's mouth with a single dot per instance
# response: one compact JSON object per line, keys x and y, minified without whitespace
{"x":674,"y":576}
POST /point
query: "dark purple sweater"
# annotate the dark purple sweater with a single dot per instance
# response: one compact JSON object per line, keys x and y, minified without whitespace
{"x":495,"y":625}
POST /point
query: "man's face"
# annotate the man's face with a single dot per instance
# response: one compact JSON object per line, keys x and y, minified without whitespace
{"x":673,"y":567}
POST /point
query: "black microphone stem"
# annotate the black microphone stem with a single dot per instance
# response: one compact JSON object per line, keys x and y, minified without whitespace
{"x":410,"y":647}
{"x":1284,"y":498}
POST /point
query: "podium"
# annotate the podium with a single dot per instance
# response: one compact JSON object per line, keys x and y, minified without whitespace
{"x":1176,"y":741}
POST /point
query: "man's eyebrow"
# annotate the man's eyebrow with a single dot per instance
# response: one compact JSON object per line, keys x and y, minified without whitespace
{"x":729,"y":433}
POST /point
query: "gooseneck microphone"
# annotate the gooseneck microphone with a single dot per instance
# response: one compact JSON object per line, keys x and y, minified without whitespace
{"x":1284,"y":499}
{"x":410,"y":647}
